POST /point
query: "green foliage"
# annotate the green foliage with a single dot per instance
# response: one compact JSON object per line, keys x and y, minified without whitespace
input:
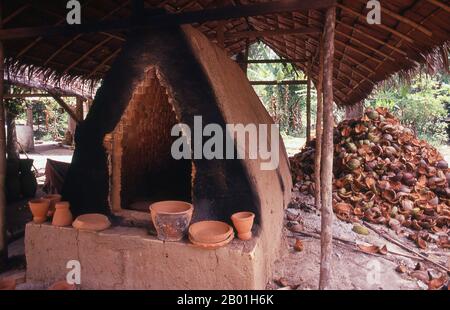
{"x":420,"y":105}
{"x":15,"y":106}
{"x":285,"y":103}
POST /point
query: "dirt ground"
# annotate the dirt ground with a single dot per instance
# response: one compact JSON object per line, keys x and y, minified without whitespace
{"x":352,"y":269}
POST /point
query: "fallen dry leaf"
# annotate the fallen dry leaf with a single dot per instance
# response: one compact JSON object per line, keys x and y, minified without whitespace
{"x":383,"y":250}
{"x":298,"y":246}
{"x":437,"y":283}
{"x":421,"y":243}
{"x":401,"y":269}
{"x":283,"y":282}
{"x":421,"y":275}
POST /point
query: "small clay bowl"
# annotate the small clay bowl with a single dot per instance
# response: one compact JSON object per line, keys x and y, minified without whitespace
{"x":61,"y":286}
{"x":210,"y":231}
{"x":91,"y":222}
{"x":7,"y":284}
{"x":212,"y":246}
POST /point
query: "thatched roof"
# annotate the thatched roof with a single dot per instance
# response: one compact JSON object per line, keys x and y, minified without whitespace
{"x":413,"y":33}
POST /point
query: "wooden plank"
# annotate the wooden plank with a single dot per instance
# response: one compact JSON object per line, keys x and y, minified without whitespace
{"x":150,"y":20}
{"x":294,"y":82}
{"x":326,"y":174}
{"x":271,"y":33}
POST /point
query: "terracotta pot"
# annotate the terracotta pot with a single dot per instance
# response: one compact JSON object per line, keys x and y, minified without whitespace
{"x":61,"y":286}
{"x":62,"y":216}
{"x":171,"y":219}
{"x":53,"y":199}
{"x":91,"y":222}
{"x":210,"y":231}
{"x":243,"y":222}
{"x":39,"y":208}
{"x":7,"y":284}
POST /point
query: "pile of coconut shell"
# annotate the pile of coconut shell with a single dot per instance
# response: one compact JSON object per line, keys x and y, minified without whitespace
{"x":383,"y":174}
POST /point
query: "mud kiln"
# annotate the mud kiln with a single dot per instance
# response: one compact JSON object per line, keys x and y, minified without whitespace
{"x":122,"y":162}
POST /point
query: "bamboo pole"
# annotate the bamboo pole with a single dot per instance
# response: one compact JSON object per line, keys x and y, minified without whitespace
{"x":319,"y":130}
{"x":326,"y":173}
{"x":308,"y":103}
{"x":3,"y":241}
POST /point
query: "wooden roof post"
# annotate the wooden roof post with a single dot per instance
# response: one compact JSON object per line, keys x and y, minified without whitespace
{"x":3,"y":241}
{"x":79,"y":109}
{"x":319,"y":117}
{"x":326,"y":174}
{"x":308,"y":102}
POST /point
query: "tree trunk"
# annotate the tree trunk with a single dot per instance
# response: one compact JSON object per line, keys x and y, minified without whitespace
{"x":319,"y":130}
{"x":355,"y":111}
{"x":12,"y":149}
{"x":30,"y":122}
{"x":326,"y":175}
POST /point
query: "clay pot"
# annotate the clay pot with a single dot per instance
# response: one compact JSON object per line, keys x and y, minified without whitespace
{"x":210,"y":231}
{"x":171,"y":219}
{"x":7,"y":284}
{"x":91,"y":222}
{"x":62,"y":215}
{"x":243,"y":222}
{"x":53,"y":199}
{"x":61,"y":286}
{"x":39,"y":208}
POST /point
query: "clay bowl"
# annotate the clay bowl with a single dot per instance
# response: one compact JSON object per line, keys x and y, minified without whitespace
{"x":61,"y":286}
{"x":7,"y":284}
{"x":91,"y":222}
{"x":212,"y":246}
{"x":39,"y":209}
{"x":171,"y":219}
{"x":210,"y":231}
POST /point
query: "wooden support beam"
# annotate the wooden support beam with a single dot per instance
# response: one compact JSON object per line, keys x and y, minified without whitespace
{"x":275,"y":61}
{"x":370,"y":37}
{"x":150,"y":20}
{"x":354,"y":49}
{"x":352,"y":38}
{"x":308,"y":102}
{"x":93,"y":49}
{"x":384,"y":27}
{"x":38,"y":39}
{"x":438,"y":3}
{"x":3,"y":237}
{"x":270,"y":33}
{"x":15,"y":13}
{"x":66,"y":107}
{"x":293,"y":82}
{"x":104,"y":62}
{"x":326,"y":173}
{"x":319,"y":130}
{"x":10,"y":96}
{"x":403,"y":19}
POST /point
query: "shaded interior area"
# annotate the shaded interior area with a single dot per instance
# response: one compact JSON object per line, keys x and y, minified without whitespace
{"x":148,"y":171}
